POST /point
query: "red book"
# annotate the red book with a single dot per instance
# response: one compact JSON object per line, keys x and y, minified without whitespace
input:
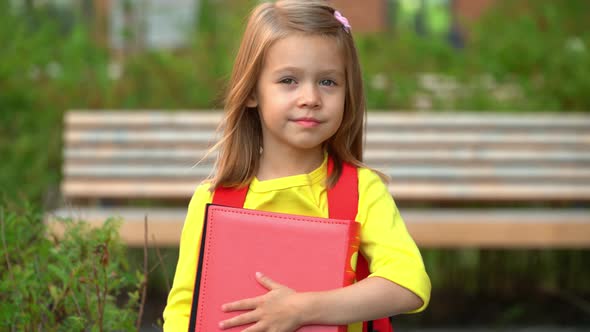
{"x":237,"y":243}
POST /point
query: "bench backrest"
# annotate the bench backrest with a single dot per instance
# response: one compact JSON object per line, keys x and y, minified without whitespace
{"x":448,"y":157}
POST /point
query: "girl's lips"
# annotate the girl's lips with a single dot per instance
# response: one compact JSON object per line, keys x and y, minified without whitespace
{"x":307,"y":122}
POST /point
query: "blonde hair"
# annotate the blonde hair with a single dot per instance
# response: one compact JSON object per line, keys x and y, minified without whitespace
{"x":241,"y":142}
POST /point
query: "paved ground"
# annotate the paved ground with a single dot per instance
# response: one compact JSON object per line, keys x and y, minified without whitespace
{"x":483,"y":329}
{"x":507,"y":329}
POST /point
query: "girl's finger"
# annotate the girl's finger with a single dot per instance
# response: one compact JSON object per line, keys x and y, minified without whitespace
{"x":255,"y":328}
{"x":246,"y":318}
{"x":245,"y":304}
{"x":267,"y":282}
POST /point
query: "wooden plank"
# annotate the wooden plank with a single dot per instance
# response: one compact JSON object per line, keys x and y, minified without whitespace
{"x":447,"y":171}
{"x":491,"y":192}
{"x":379,"y":118}
{"x":419,"y":171}
{"x":170,"y":145}
{"x":163,"y":224}
{"x":378,"y":154}
{"x":402,"y":191}
{"x":481,"y":138}
{"x":132,"y":154}
{"x":489,"y":228}
{"x":153,"y":189}
{"x":416,"y":147}
{"x":122,"y":136}
{"x":142,"y":118}
{"x":454,"y":119}
{"x":146,"y":137}
{"x":480,"y":155}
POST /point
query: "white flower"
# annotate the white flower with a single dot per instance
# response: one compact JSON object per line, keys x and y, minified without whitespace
{"x":575,"y":44}
{"x":34,"y":73}
{"x":379,"y":82}
{"x":54,"y":70}
{"x":422,"y":102}
{"x":115,"y":71}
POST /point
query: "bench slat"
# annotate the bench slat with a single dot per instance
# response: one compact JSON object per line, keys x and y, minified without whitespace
{"x":188,"y":155}
{"x":379,"y":118}
{"x":121,"y":137}
{"x":77,"y":118}
{"x":489,"y":228}
{"x":401,"y":191}
{"x":437,"y":172}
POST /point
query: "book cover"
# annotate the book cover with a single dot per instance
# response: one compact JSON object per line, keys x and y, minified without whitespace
{"x":303,"y":253}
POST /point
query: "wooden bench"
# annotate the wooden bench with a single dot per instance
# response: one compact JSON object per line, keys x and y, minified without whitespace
{"x":490,"y":180}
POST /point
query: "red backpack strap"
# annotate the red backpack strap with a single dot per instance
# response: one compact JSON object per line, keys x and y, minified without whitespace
{"x":234,"y":197}
{"x":343,"y":201}
{"x":343,"y":197}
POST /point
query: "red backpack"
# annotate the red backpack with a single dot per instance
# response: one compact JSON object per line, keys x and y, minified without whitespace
{"x":342,"y":204}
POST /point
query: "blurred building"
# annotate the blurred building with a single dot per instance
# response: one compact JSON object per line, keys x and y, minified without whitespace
{"x":134,"y":24}
{"x":129,"y":25}
{"x":365,"y":16}
{"x":471,"y":9}
{"x":381,"y":15}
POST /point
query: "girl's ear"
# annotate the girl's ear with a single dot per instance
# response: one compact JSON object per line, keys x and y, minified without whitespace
{"x":252,"y":101}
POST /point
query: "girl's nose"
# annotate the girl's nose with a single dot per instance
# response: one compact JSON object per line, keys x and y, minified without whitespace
{"x":310,"y":96}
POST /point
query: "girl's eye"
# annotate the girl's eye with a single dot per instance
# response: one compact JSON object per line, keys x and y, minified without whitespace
{"x":287,"y":81}
{"x":327,"y":82}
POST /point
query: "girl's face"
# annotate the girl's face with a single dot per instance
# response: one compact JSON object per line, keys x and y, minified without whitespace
{"x":300,"y":93}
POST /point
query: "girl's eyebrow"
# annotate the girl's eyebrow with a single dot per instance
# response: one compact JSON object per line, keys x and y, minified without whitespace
{"x":297,"y":70}
{"x":289,"y":69}
{"x":334,"y":72}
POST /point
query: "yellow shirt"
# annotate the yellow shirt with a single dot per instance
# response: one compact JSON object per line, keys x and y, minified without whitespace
{"x":385,"y":242}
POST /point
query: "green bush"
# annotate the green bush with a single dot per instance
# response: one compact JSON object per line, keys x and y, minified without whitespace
{"x":80,"y":281}
{"x":542,"y":46}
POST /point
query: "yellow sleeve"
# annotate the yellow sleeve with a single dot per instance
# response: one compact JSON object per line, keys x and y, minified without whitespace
{"x":385,"y":242}
{"x":178,"y":307}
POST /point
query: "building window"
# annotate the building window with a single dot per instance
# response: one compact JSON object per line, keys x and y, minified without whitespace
{"x":433,"y":18}
{"x":151,"y":24}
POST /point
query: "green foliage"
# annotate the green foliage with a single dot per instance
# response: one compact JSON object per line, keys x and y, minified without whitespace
{"x":43,"y":73}
{"x":69,"y":284}
{"x":524,"y":55}
{"x":542,"y":46}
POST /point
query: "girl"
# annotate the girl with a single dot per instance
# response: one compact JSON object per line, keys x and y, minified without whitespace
{"x":296,"y":97}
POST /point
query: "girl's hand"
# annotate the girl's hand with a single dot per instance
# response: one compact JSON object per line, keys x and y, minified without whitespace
{"x":279,"y":310}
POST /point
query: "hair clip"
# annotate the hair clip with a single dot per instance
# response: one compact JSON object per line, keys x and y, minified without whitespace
{"x":342,"y":20}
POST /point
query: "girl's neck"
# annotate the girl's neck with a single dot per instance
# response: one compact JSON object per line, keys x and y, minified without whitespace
{"x":278,"y":165}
